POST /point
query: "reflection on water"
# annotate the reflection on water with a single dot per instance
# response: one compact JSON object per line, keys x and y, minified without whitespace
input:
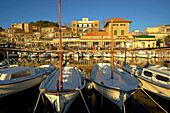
{"x":138,"y":103}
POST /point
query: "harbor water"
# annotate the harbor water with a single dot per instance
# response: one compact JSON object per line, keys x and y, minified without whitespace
{"x":139,"y":102}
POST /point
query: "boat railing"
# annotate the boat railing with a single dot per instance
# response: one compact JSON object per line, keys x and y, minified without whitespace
{"x":50,"y":78}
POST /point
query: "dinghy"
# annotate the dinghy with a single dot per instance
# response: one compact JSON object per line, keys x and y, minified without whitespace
{"x":73,"y":82}
{"x":15,"y":79}
{"x":118,"y":89}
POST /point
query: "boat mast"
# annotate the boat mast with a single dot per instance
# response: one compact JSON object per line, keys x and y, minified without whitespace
{"x":112,"y":57}
{"x":60,"y":41}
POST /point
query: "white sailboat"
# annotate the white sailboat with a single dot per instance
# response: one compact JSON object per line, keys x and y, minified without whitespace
{"x":118,"y":89}
{"x":73,"y":81}
{"x":63,"y":85}
{"x":15,"y":79}
{"x":111,"y":81}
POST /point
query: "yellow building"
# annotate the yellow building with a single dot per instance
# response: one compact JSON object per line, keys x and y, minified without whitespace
{"x":159,"y":32}
{"x":26,"y":27}
{"x":120,"y":28}
{"x":80,"y":28}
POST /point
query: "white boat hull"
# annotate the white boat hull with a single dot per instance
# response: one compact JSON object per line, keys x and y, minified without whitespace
{"x":115,"y":96}
{"x":65,"y":101}
{"x":156,"y":89}
{"x":12,"y":88}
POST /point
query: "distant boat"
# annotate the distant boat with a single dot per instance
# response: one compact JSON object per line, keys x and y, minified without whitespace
{"x":73,"y":81}
{"x":98,"y":55}
{"x":155,"y":79}
{"x":15,"y":79}
{"x":3,"y":64}
{"x":33,"y":55}
{"x":143,"y":55}
{"x":54,"y":55}
{"x":107,"y":55}
{"x":118,"y":89}
{"x":44,"y":55}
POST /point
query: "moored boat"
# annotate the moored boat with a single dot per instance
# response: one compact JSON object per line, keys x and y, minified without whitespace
{"x":15,"y":79}
{"x":73,"y":82}
{"x":155,"y":79}
{"x":118,"y":89}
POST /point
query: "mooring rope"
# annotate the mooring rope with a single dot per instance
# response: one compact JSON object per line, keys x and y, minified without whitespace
{"x":81,"y":93}
{"x":154,"y":100}
{"x":38,"y":100}
{"x":84,"y":101}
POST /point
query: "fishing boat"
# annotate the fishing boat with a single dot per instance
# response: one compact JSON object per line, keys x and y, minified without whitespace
{"x":118,"y":89}
{"x":15,"y":79}
{"x":73,"y":82}
{"x":155,"y":79}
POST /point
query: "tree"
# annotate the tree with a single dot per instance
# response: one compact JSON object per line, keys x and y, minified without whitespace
{"x":1,"y":29}
{"x":167,"y":39}
{"x":44,"y":23}
{"x":104,"y":21}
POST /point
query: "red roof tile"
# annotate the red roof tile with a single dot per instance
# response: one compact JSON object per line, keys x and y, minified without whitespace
{"x":117,"y":20}
{"x":97,"y":33}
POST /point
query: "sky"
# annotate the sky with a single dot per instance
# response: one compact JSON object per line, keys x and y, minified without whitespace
{"x":142,"y":13}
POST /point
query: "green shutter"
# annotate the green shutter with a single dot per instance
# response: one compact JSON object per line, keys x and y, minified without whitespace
{"x":122,"y":32}
{"x":124,"y":24}
{"x":117,"y":24}
{"x":87,"y":25}
{"x":95,"y":24}
{"x":115,"y":32}
{"x":77,"y":25}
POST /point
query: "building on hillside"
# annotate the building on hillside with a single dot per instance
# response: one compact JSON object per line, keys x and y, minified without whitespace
{"x":80,"y":28}
{"x":14,"y":30}
{"x":49,"y":32}
{"x":64,"y":33}
{"x":160,"y":32}
{"x":26,"y":27}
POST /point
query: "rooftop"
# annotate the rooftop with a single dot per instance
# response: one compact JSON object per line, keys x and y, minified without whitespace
{"x":97,"y":33}
{"x":117,"y":20}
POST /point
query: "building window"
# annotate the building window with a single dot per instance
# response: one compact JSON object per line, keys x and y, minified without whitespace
{"x":77,"y":25}
{"x":74,"y":29}
{"x":95,"y":24}
{"x":115,"y":32}
{"x":56,"y":34}
{"x":73,"y":25}
{"x":115,"y":24}
{"x":122,"y":32}
{"x":87,"y":25}
{"x":82,"y":25}
{"x":124,"y":24}
{"x":63,"y":34}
